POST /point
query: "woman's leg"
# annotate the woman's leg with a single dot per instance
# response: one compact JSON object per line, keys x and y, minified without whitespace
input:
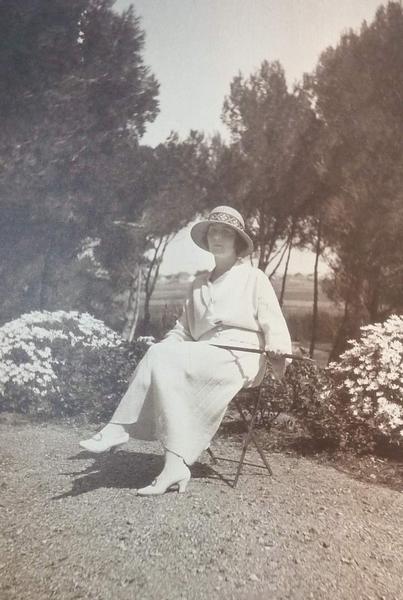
{"x":175,"y":472}
{"x":127,"y":412}
{"x":186,"y":387}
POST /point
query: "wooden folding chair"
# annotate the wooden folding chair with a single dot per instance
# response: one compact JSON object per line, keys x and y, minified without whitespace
{"x":254,"y":398}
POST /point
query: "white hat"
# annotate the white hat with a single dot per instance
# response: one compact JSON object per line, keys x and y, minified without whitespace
{"x":226,"y":215}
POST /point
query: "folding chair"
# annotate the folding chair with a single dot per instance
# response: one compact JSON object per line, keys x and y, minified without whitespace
{"x":254,"y":397}
{"x":248,"y":394}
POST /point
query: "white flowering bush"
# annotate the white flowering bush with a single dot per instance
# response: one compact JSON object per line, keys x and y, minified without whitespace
{"x":356,"y":402}
{"x":63,"y":363}
{"x":370,"y":376}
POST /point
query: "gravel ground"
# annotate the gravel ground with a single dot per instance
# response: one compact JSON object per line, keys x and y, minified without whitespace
{"x":72,"y":526}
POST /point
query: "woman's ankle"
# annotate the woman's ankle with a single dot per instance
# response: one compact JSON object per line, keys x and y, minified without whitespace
{"x":174,"y":462}
{"x":114,"y":429}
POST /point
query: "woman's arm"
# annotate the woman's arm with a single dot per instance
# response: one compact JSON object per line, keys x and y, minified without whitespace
{"x":273,"y":324}
{"x":181,"y":330}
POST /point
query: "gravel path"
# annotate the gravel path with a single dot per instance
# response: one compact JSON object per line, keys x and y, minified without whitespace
{"x":73,"y":528}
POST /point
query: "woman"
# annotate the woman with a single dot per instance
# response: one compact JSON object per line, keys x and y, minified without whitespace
{"x":185,"y":383}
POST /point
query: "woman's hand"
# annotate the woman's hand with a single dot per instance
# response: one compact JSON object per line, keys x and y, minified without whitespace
{"x":278,"y":364}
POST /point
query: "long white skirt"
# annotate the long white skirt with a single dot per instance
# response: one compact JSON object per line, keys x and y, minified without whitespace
{"x":180,"y":391}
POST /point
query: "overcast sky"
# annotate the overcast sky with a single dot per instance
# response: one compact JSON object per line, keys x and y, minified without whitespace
{"x":196,"y":47}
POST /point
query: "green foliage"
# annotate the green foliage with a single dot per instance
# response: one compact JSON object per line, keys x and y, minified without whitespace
{"x":93,"y":381}
{"x":357,"y":90}
{"x":82,"y":203}
{"x":275,"y":398}
{"x":75,"y":97}
{"x":325,"y":417}
{"x":268,"y":167}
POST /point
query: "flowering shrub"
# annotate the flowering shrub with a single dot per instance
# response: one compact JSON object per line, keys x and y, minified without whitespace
{"x":358,"y":401}
{"x":63,"y":363}
{"x":369,"y":376}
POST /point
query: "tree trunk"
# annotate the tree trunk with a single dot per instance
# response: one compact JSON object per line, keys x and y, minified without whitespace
{"x":339,"y":341}
{"x":137,"y":306}
{"x":129,"y":310}
{"x":316,"y":290}
{"x":133,"y":307}
{"x":261,"y":241}
{"x":287,"y":262}
{"x":283,"y":283}
{"x":152,"y":276}
{"x":282,"y":252}
{"x":149,"y":288}
{"x":46,"y":276}
{"x":355,"y":315}
{"x":374,"y":298}
{"x":146,"y":314}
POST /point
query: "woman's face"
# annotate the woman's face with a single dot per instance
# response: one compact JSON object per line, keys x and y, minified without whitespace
{"x":221,"y":240}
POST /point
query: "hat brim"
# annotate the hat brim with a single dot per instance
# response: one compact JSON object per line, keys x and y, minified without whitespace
{"x":198,"y":234}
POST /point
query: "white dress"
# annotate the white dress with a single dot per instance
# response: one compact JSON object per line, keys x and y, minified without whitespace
{"x":180,"y":390}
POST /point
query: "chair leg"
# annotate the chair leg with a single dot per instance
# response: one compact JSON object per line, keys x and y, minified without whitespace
{"x":256,"y":443}
{"x":211,"y":455}
{"x":262,"y":455}
{"x":248,"y":437}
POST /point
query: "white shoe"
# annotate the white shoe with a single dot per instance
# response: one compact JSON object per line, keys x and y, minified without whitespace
{"x":100,"y":443}
{"x":166,"y":481}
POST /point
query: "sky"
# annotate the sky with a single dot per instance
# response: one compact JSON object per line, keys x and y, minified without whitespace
{"x":196,"y":47}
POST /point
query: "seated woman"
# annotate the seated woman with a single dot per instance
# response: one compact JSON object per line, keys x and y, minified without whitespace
{"x":186,"y":381}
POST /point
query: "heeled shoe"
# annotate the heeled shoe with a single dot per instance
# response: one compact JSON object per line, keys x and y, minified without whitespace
{"x":162,"y":484}
{"x":98,"y":443}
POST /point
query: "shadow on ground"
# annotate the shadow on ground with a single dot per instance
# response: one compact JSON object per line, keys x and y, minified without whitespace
{"x":384,"y":469}
{"x":124,"y":469}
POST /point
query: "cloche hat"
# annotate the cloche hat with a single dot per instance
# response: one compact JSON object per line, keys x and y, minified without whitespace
{"x":225,"y":215}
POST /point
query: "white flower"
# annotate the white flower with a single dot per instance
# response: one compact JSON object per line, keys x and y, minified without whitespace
{"x":373,"y":372}
{"x":30,"y":331}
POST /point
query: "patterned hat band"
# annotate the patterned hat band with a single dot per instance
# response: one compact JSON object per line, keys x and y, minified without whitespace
{"x":222,"y":217}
